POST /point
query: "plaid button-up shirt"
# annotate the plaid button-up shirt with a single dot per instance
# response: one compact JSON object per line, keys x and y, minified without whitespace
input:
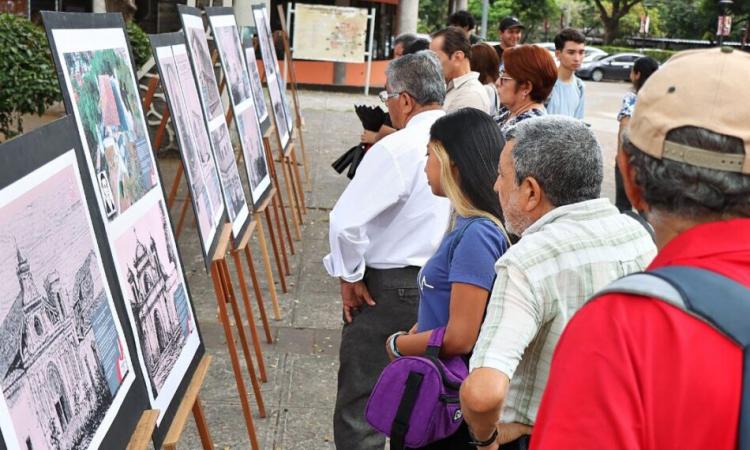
{"x":560,"y":261}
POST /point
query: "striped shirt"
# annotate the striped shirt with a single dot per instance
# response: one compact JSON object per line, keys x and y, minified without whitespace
{"x":561,"y":260}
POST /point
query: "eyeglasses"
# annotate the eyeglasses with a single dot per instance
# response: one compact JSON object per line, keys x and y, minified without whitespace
{"x":385,"y":96}
{"x":504,"y":78}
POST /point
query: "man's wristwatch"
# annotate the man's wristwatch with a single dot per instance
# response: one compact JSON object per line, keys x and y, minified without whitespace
{"x":484,"y":443}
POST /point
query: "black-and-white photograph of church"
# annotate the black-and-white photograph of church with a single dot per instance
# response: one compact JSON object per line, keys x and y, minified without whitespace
{"x":148,"y":263}
{"x":62,"y":358}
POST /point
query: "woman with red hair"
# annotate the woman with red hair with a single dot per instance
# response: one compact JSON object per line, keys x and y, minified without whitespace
{"x":527,"y":80}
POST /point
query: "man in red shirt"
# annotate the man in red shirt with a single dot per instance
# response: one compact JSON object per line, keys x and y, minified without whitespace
{"x":632,"y":372}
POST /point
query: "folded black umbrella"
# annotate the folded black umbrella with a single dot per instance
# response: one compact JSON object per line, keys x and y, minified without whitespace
{"x":372,"y":117}
{"x":345,"y":160}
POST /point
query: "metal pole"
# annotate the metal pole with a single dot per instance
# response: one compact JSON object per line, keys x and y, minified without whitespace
{"x":485,"y":14}
{"x":371,"y":17}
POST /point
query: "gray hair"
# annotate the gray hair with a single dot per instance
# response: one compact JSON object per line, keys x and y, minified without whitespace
{"x":689,"y":191}
{"x":420,"y":74}
{"x":562,"y":155}
{"x":405,"y":39}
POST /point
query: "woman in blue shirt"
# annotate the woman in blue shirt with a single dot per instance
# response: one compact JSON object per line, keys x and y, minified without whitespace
{"x":455,"y":284}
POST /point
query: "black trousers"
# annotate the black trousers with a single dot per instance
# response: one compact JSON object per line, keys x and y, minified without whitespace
{"x":362,"y":356}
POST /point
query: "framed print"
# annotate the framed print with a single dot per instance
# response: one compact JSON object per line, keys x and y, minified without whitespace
{"x":178,"y":83}
{"x":93,"y":58}
{"x":66,"y":370}
{"x":255,"y":83}
{"x":276,"y":89}
{"x":213,"y":111}
{"x":227,"y":38}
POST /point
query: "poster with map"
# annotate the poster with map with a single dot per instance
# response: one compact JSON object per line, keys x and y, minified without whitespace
{"x":329,"y":33}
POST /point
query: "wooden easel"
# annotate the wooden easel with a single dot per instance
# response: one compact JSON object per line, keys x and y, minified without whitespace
{"x":264,"y":209}
{"x":224,"y":294}
{"x":191,"y":402}
{"x":141,"y":437}
{"x":290,"y":182}
{"x":289,"y":63}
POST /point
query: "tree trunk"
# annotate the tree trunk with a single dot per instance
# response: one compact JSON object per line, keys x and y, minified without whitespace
{"x":611,"y":29}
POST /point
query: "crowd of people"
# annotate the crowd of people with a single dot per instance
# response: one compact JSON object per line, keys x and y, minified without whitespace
{"x":478,"y":214}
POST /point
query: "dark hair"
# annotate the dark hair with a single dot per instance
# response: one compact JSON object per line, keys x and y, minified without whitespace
{"x":566,"y":35}
{"x":417,"y":45}
{"x":689,"y":191}
{"x":462,"y":19}
{"x":532,"y":64}
{"x":455,"y":39}
{"x":484,"y":60}
{"x":405,"y":39}
{"x":473,"y":142}
{"x":646,"y":66}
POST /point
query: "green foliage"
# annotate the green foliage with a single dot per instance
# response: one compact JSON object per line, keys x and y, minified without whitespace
{"x":139,"y":43}
{"x":28,"y":84}
{"x":659,"y":55}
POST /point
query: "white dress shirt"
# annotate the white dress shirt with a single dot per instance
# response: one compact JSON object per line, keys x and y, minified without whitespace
{"x":388,"y":217}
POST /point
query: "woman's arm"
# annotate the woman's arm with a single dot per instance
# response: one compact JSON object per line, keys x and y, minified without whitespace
{"x":467,"y":307}
{"x":623,"y":125}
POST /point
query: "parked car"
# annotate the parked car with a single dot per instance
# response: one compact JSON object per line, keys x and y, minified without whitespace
{"x":614,"y":67}
{"x":590,"y":54}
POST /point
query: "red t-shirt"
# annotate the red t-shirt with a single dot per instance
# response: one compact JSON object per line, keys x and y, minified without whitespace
{"x":635,"y":373}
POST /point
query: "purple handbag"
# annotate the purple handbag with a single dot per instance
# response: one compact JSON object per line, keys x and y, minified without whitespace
{"x":415,"y":400}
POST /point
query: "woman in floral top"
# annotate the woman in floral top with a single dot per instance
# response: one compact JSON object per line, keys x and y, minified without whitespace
{"x":642,"y":69}
{"x":527,"y":80}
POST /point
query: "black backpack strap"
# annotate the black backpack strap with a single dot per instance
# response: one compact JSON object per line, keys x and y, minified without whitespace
{"x":717,"y":300}
{"x":403,"y":414}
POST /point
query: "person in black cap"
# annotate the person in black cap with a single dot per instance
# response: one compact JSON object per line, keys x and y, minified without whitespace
{"x":509,"y":33}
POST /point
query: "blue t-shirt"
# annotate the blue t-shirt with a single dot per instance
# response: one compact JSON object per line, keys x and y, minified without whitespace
{"x":567,"y":99}
{"x":473,"y":263}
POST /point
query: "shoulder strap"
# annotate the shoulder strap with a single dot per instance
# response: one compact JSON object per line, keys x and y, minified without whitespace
{"x":579,"y":84}
{"x":460,"y":234}
{"x":717,"y":300}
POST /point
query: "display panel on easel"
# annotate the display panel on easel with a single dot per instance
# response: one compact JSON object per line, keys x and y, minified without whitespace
{"x":178,"y":83}
{"x":226,"y":36}
{"x":276,"y":89}
{"x":246,"y":36}
{"x":99,"y":89}
{"x":213,"y":110}
{"x":65,"y":360}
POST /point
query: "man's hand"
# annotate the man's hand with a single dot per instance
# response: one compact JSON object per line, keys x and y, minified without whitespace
{"x":369,"y":137}
{"x":353,"y":296}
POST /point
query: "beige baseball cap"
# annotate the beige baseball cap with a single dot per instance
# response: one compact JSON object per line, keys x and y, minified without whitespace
{"x":701,"y":88}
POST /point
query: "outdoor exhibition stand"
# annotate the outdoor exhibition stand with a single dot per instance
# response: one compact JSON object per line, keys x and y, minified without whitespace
{"x":282,"y":123}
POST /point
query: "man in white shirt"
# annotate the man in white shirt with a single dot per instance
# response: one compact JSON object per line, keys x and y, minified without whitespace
{"x":384,"y":227}
{"x":567,"y":95}
{"x":464,"y":89}
{"x":573,"y":243}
